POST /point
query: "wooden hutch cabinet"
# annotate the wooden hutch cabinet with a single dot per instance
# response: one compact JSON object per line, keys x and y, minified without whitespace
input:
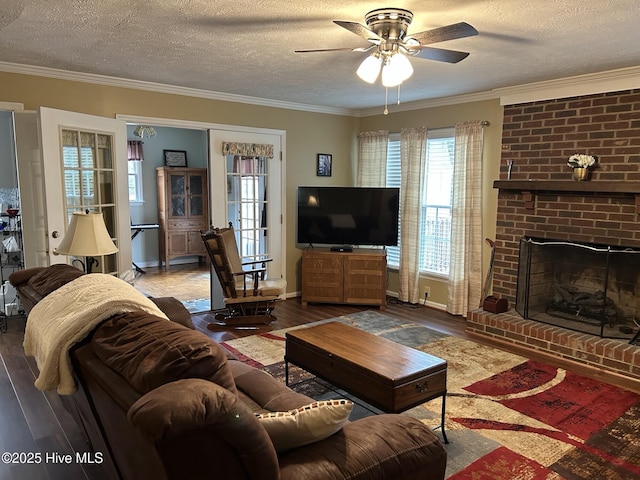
{"x":183,"y":201}
{"x":358,"y":277}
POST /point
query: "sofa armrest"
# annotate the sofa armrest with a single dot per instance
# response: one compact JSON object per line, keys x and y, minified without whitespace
{"x":202,"y":430}
{"x":380,"y":446}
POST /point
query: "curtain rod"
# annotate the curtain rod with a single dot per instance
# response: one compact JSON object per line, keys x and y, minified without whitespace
{"x":485,"y":123}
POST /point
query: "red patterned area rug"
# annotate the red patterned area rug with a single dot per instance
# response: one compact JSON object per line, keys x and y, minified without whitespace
{"x":507,"y":418}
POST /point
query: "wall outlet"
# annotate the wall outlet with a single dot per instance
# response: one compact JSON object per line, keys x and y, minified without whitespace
{"x":427,"y":292}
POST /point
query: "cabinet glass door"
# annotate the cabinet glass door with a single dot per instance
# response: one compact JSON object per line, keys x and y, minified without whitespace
{"x":196,"y":197}
{"x":178,"y":191}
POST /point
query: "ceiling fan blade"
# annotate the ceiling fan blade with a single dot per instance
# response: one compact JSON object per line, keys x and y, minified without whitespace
{"x":442,"y":34}
{"x":358,"y":29}
{"x":343,"y":49}
{"x":440,"y":54}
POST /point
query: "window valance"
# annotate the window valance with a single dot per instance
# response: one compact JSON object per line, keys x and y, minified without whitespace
{"x":247,"y":149}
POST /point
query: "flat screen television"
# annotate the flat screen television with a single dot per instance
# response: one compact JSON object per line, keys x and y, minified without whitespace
{"x":348,"y":216}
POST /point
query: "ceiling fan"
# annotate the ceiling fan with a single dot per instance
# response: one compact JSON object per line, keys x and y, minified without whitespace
{"x":386,"y":30}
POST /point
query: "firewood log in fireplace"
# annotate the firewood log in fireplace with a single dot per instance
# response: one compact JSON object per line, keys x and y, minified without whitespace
{"x":583,"y":305}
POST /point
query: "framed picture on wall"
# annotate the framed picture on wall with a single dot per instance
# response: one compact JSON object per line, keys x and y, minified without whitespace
{"x":324,"y":165}
{"x":175,"y":158}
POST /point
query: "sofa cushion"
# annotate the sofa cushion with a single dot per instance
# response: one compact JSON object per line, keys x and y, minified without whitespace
{"x":307,"y":424}
{"x":149,"y":351}
{"x":261,"y":392}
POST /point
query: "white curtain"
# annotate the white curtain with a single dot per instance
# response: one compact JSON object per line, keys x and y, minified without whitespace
{"x":465,"y":269}
{"x":372,"y":158}
{"x":413,"y":154}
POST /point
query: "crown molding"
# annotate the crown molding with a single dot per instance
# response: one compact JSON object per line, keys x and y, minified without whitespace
{"x":168,"y":89}
{"x":588,"y":84}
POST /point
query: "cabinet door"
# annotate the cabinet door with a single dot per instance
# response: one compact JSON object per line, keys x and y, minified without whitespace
{"x":364,"y":279}
{"x":196,"y":245}
{"x":178,"y":243}
{"x":177,"y":188}
{"x":322,"y":278}
{"x":197,"y":200}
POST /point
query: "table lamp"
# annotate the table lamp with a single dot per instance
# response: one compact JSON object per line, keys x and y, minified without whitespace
{"x":87,"y":236}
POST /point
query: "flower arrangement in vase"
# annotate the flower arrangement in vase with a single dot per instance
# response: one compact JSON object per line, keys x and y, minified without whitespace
{"x":582,"y":164}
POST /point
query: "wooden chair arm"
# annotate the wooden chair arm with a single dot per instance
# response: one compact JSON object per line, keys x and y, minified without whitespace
{"x":254,"y":262}
{"x":261,"y":262}
{"x":258,"y":274}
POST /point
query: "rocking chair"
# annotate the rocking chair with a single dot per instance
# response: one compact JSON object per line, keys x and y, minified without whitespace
{"x":249,"y":298}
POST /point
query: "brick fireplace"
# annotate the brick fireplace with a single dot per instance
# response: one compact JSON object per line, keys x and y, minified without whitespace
{"x":541,"y":200}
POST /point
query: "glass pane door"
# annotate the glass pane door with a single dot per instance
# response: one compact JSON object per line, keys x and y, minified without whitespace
{"x":178,"y":195}
{"x":247,"y":181}
{"x":88,"y":172}
{"x":196,"y":195}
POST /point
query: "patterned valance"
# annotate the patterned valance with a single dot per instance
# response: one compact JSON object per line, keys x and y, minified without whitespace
{"x":247,"y":149}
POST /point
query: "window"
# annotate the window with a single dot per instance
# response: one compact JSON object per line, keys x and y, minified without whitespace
{"x":135,"y":181}
{"x":435,"y":223}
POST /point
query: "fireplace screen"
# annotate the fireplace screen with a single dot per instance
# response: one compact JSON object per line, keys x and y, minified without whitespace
{"x":585,"y":287}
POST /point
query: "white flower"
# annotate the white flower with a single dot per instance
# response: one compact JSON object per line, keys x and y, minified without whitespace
{"x":580,"y":160}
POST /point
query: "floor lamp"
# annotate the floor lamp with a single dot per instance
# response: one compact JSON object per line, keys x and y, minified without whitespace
{"x":87,"y":236}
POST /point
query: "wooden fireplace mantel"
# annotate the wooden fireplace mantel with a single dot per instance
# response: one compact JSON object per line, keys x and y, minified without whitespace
{"x":568,"y":186}
{"x":529,"y":188}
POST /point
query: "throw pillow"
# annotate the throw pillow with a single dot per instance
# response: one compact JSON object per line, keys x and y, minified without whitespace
{"x":307,"y":424}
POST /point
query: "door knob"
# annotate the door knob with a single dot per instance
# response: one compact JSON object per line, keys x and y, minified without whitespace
{"x":55,"y":234}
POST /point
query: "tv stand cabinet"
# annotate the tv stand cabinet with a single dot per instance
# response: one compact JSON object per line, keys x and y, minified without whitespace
{"x":358,"y":277}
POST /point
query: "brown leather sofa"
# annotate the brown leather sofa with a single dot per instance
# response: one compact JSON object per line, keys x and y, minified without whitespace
{"x":160,"y":400}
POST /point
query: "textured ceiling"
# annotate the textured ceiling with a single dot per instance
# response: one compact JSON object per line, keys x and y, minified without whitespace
{"x":246,"y":48}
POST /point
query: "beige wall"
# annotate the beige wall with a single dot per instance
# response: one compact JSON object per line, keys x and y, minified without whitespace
{"x":307,"y":135}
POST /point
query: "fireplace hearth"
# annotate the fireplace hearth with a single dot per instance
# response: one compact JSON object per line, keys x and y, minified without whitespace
{"x":588,"y":288}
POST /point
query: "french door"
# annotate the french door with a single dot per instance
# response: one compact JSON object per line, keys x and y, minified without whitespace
{"x":247,"y":191}
{"x":85,"y":168}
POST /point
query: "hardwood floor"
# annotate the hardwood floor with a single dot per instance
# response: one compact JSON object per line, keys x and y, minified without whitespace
{"x":184,"y":281}
{"x":290,"y":313}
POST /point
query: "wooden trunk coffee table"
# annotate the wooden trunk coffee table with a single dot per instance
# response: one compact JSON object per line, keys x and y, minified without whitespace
{"x":385,"y":374}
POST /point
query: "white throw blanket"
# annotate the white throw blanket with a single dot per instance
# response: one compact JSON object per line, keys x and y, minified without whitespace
{"x":67,"y":315}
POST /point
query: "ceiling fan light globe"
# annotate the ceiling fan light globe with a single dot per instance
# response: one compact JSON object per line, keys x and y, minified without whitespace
{"x":402,"y":65}
{"x":369,"y":69}
{"x":390,"y":77}
{"x":396,"y":70}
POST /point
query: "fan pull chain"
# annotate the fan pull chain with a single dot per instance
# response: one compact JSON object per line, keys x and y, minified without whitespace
{"x":399,"y":94}
{"x":386,"y":97}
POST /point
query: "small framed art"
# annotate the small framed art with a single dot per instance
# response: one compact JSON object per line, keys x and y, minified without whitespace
{"x":175,"y":158}
{"x":324,"y":165}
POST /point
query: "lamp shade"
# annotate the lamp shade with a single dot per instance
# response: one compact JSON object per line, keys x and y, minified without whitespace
{"x":87,"y":236}
{"x":369,"y":69}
